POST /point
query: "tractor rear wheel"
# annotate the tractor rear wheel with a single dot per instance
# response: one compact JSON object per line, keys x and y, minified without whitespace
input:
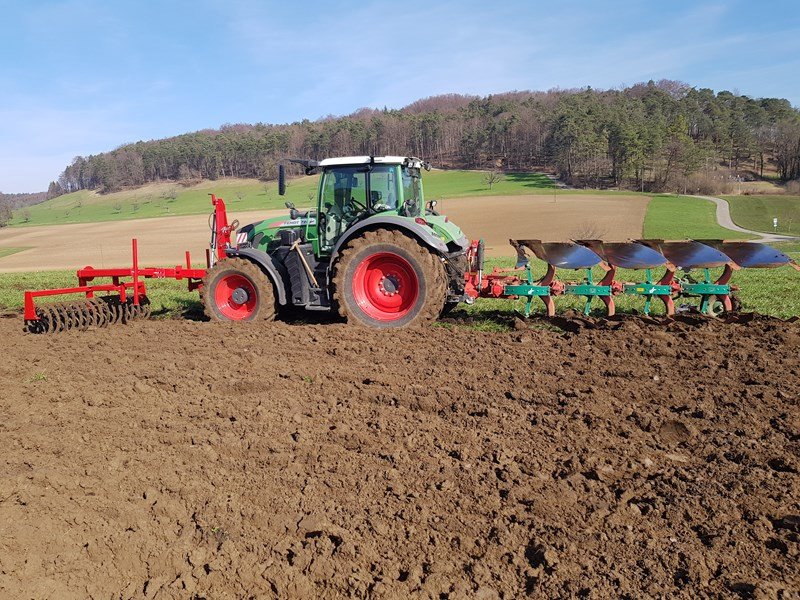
{"x":386,"y":279}
{"x":235,"y":289}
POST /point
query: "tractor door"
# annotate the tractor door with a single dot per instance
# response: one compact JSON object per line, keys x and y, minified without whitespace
{"x":342,"y":202}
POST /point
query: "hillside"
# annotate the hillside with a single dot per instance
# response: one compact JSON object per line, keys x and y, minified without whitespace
{"x":664,"y":136}
{"x":757,"y":211}
{"x":169,"y":199}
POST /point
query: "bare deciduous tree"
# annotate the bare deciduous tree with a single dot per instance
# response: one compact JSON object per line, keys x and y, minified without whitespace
{"x":492,"y":177}
{"x":5,"y":214}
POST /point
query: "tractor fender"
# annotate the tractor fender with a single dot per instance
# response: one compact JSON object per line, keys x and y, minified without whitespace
{"x":420,"y":232}
{"x":263,"y":260}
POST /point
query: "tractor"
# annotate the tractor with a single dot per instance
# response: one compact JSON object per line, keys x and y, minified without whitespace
{"x":372,"y":251}
{"x":375,"y":252}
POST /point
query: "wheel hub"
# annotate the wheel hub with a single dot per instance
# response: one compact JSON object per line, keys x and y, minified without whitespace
{"x":389,"y":284}
{"x":240,"y":295}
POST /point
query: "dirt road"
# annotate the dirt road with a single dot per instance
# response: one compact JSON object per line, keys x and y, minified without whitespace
{"x":195,"y":460}
{"x":724,"y":219}
{"x":163,"y":241}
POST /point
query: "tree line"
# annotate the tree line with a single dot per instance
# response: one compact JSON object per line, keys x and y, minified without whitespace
{"x":11,"y":202}
{"x":651,"y":136}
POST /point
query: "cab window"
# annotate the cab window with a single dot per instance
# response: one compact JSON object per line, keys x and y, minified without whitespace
{"x":383,"y":188}
{"x":344,"y":200}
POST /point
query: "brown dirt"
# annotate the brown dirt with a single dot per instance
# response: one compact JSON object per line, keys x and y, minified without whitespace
{"x":570,"y":216}
{"x":184,"y":459}
{"x":163,"y":240}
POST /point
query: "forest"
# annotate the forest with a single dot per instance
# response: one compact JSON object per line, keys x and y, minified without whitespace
{"x":654,"y":136}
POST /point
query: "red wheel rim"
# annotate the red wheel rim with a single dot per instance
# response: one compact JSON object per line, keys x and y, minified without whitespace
{"x":227,"y":306}
{"x":385,"y":286}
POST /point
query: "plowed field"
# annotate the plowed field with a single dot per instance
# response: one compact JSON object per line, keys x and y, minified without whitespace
{"x":184,"y":459}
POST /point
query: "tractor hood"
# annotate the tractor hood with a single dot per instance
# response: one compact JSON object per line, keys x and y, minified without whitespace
{"x":261,"y":233}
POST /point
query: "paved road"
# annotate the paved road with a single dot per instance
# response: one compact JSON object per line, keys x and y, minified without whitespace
{"x":724,"y":220}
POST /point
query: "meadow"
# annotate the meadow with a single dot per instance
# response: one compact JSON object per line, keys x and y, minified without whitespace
{"x":757,"y":211}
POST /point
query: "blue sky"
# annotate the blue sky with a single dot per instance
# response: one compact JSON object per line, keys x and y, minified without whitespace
{"x":79,"y":77}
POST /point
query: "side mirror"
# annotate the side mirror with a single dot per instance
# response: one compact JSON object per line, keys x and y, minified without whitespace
{"x":282,"y":181}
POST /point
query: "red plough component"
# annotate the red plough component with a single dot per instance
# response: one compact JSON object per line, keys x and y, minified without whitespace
{"x":127,"y":299}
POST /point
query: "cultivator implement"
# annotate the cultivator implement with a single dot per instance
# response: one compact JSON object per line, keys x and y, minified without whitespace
{"x":694,"y":259}
{"x":125,"y":297}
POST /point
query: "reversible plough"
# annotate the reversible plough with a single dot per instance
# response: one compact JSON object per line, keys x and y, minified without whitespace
{"x":377,"y":254}
{"x":688,"y":256}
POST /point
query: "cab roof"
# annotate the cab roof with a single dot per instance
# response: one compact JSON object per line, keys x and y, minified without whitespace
{"x":364,"y":160}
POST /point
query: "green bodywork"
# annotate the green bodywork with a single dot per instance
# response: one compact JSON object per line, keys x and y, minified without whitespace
{"x":352,"y":195}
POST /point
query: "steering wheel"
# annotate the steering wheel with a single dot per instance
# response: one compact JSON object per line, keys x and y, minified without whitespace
{"x":357,"y":203}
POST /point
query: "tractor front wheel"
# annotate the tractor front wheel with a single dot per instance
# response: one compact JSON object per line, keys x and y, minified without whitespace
{"x":386,"y":279}
{"x":235,"y":289}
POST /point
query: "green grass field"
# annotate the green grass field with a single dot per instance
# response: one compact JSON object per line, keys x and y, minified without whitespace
{"x":155,"y":201}
{"x":681,"y":217}
{"x":9,"y":251}
{"x":170,"y":199}
{"x":757,"y":212}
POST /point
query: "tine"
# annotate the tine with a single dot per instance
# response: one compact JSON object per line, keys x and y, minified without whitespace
{"x":104,"y":311}
{"x":37,"y":325}
{"x":86,"y":316}
{"x":102,"y":315}
{"x":76,"y":317}
{"x":145,"y":307}
{"x":91,"y":311}
{"x":72,"y":315}
{"x":47,"y":317}
{"x":58,"y":325}
{"x":66,"y":317}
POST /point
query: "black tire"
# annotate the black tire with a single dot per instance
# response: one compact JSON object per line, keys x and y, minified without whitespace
{"x":220,"y":306}
{"x":424,"y":269}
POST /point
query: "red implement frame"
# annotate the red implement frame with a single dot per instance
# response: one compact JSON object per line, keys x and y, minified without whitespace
{"x":220,"y":231}
{"x":135,"y":287}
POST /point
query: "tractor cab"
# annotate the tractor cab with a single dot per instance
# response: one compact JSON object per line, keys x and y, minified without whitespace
{"x":352,"y":189}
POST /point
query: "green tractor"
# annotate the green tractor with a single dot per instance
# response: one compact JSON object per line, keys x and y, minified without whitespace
{"x":373,"y":250}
